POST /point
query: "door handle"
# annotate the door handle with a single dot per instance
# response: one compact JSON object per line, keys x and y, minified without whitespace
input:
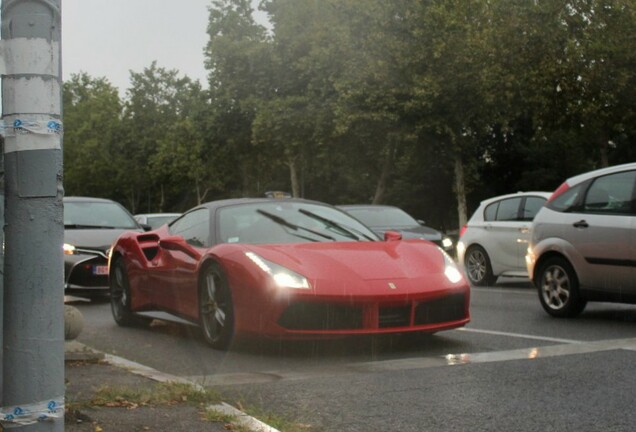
{"x":580,"y":224}
{"x":524,"y":230}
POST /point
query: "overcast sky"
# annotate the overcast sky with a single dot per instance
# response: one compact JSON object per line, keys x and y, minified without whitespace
{"x":109,"y":38}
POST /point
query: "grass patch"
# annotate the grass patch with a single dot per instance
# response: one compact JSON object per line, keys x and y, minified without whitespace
{"x":232,"y":423}
{"x":280,"y":422}
{"x":157,"y":394}
{"x":180,"y":393}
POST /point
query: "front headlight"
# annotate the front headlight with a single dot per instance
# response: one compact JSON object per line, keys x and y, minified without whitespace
{"x":447,"y":243}
{"x":451,"y":271}
{"x":68,"y":249}
{"x":284,"y":277}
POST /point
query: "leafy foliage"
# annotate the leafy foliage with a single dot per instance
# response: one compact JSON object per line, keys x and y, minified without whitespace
{"x":431,"y":105}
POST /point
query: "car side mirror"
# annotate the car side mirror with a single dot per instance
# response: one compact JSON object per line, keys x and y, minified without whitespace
{"x":392,"y":235}
{"x":421,"y":222}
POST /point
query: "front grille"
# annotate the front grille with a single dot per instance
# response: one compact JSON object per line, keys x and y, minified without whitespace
{"x":82,"y":274}
{"x":394,"y":316}
{"x":319,"y":316}
{"x":448,"y":308}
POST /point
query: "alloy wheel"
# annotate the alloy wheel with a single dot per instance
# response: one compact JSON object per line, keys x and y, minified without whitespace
{"x":555,"y":287}
{"x":118,"y":295}
{"x":213,"y":307}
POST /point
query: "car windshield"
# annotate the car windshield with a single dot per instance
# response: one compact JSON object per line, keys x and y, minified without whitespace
{"x":383,"y":217}
{"x":157,"y":221}
{"x":288,"y":222}
{"x":97,"y":214}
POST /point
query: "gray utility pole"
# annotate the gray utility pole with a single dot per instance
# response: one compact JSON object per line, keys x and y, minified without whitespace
{"x":33,"y":303}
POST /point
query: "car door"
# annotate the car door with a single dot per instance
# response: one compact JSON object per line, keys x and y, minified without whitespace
{"x":530,"y":206}
{"x":175,"y":272}
{"x":503,"y":233}
{"x":602,"y":230}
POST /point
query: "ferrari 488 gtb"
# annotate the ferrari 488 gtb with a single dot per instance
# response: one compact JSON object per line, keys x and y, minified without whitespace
{"x":284,"y":268}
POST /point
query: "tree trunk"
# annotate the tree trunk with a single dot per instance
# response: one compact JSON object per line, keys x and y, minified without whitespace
{"x":133,"y":201}
{"x":162,"y":200}
{"x":198,"y":192}
{"x":460,"y":191}
{"x":293,"y":174}
{"x":604,"y":147}
{"x":387,"y":166}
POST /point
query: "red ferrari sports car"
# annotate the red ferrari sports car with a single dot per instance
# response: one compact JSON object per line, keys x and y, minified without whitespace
{"x":284,"y":268}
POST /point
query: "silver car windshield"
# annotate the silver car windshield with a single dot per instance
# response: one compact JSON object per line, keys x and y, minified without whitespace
{"x":93,"y":214}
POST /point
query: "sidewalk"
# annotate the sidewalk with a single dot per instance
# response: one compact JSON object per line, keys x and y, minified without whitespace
{"x":88,"y":372}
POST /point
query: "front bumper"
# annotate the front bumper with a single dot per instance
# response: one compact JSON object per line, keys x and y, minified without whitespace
{"x":310,"y":316}
{"x":86,"y":272}
{"x":376,"y":317}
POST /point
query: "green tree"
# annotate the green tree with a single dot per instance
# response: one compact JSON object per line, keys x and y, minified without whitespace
{"x":237,"y":57}
{"x":157,"y":102}
{"x":92,"y":128}
{"x":454,"y":87}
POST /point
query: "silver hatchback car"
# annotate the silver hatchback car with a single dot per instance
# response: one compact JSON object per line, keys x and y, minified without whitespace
{"x":583,"y":242}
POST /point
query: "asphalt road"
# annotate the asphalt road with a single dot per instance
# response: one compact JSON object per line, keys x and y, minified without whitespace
{"x":512,"y":368}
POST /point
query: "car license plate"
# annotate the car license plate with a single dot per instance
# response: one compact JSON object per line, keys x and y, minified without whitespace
{"x":100,"y":270}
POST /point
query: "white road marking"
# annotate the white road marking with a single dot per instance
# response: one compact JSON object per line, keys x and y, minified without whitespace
{"x":506,"y":290}
{"x":520,"y":335}
{"x":533,"y":353}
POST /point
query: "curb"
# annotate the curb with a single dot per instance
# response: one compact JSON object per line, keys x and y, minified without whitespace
{"x":76,"y":351}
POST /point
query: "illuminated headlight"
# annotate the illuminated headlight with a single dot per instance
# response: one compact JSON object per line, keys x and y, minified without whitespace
{"x":447,"y":243}
{"x":451,"y":271}
{"x":284,"y":277}
{"x":68,"y":249}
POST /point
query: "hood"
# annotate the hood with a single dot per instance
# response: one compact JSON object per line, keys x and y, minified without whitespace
{"x":100,"y":239}
{"x":337,"y":267}
{"x":412,"y":232}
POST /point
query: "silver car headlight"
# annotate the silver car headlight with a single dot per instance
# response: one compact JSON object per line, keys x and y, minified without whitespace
{"x":284,"y":277}
{"x":68,"y":249}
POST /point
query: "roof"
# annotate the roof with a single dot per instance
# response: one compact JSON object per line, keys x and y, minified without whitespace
{"x":85,"y":199}
{"x":517,"y":194}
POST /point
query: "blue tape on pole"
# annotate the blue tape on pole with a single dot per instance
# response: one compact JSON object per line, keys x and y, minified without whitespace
{"x":23,"y":415}
{"x":22,"y":126}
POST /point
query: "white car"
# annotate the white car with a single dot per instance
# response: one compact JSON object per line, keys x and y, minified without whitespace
{"x":494,"y":241}
{"x":583,"y":245}
{"x":155,"y":220}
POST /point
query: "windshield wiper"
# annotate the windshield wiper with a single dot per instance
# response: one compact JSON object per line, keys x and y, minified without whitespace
{"x":348,"y":231}
{"x":281,"y":221}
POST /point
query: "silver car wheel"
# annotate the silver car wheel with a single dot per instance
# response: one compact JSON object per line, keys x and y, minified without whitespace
{"x":555,"y":287}
{"x":477,"y":265}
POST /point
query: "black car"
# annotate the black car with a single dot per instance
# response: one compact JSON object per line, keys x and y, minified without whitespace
{"x":91,"y":226}
{"x":382,"y":218}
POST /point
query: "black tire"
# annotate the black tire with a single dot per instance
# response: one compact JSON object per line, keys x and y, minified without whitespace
{"x":558,"y":288}
{"x":478,"y":268}
{"x":216,"y":310}
{"x":120,"y":295}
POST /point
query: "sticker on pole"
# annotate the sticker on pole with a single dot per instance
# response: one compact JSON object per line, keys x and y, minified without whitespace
{"x":24,"y":134}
